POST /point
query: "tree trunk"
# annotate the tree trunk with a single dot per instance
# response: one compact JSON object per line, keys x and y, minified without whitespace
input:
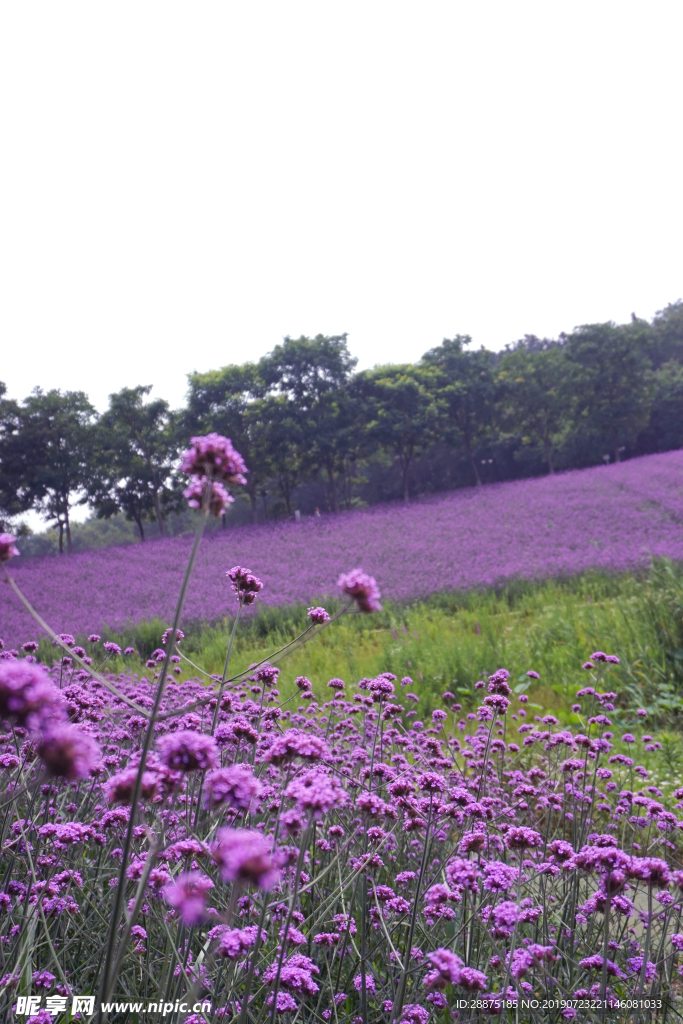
{"x":333,"y":487}
{"x":138,"y":520}
{"x":265,"y":505}
{"x":160,"y":518}
{"x":61,"y":536}
{"x":549,"y":455}
{"x":286,"y":491}
{"x":617,"y":453}
{"x":68,"y":531}
{"x":157,"y":504}
{"x":405,"y":469}
{"x":473,"y":464}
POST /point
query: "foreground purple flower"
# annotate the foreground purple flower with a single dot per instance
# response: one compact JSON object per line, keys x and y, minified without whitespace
{"x":362,"y":588}
{"x":188,"y":751}
{"x":187,"y":893}
{"x":234,"y":942}
{"x":28,"y":696}
{"x":235,"y":787}
{"x":245,"y":855}
{"x":213,"y":456}
{"x":8,"y":547}
{"x":68,"y":753}
{"x":217,"y":496}
{"x":244,"y":583}
{"x":119,"y":788}
{"x":318,"y":616}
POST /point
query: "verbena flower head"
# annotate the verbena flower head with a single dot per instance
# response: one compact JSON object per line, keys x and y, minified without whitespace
{"x":498,"y":876}
{"x":284,"y":1002}
{"x":68,"y":752}
{"x":244,"y":583}
{"x":245,"y":855}
{"x":505,"y":916}
{"x":595,"y":963}
{"x":188,"y":751}
{"x":28,"y":696}
{"x":650,"y":869}
{"x":413,"y":1013}
{"x":318,"y":615}
{"x":498,"y":682}
{"x":8,"y":547}
{"x":498,"y":702}
{"x":520,"y":837}
{"x":217,"y":497}
{"x":296,"y":743}
{"x":234,"y":942}
{"x":362,"y":588}
{"x":462,"y":873}
{"x":316,"y":793}
{"x":119,"y":788}
{"x":213,"y":456}
{"x":610,"y":659}
{"x":296,"y":974}
{"x":236,"y":787}
{"x":187,"y":893}
{"x":635,"y":966}
{"x":447,"y":967}
{"x":166,"y":635}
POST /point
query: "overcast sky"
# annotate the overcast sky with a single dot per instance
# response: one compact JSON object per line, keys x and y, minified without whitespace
{"x":181,"y":185}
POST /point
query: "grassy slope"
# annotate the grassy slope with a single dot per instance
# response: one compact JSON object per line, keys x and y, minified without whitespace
{"x":450,"y":641}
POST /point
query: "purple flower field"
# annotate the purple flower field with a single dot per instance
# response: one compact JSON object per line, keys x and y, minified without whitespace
{"x":611,"y":518}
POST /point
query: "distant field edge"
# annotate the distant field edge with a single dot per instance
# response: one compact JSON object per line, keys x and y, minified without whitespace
{"x":283,"y":621}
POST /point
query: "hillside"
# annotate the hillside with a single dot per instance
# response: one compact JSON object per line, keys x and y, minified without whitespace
{"x":610,"y":518}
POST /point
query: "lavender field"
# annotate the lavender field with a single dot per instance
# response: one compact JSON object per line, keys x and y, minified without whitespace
{"x":610,"y":518}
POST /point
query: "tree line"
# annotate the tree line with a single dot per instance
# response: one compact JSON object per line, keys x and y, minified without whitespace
{"x":317,"y":433}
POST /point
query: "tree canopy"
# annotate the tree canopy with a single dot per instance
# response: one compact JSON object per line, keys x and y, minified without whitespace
{"x":316,"y":432}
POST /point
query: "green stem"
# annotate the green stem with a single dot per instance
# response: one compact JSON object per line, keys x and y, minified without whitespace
{"x":109,"y":973}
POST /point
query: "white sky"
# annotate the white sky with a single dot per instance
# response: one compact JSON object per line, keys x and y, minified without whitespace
{"x":181,"y":185}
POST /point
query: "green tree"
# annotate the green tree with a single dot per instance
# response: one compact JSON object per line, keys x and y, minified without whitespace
{"x":313,"y":375}
{"x":666,"y":341}
{"x":120,"y":482}
{"x":401,"y":412}
{"x":665,"y":428}
{"x":51,"y":453}
{"x":136,"y":453}
{"x":226,"y":401}
{"x":613,"y":382}
{"x":279,"y":434}
{"x":466,"y":390}
{"x":531,"y":398}
{"x":10,"y":463}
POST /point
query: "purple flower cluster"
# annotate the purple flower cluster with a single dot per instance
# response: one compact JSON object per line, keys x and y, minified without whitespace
{"x":8,"y":548}
{"x":236,"y":787}
{"x":274,"y":840}
{"x":28,"y":696}
{"x":187,"y":894}
{"x":213,"y":457}
{"x":188,"y":751}
{"x":244,"y":583}
{"x":247,"y":856}
{"x":362,"y":589}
